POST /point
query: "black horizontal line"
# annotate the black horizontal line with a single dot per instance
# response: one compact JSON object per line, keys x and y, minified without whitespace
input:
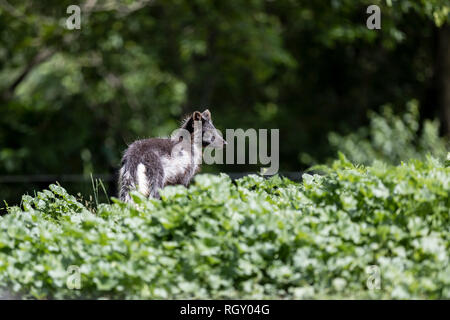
{"x":293,"y":175}
{"x":55,"y":177}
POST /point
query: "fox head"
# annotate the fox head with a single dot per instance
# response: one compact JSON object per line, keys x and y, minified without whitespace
{"x":210,"y":135}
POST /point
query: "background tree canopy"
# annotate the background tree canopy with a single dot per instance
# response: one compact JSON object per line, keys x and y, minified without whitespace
{"x":71,"y":100}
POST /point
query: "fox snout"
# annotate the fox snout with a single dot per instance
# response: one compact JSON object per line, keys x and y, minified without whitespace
{"x":213,"y":139}
{"x":221,"y":142}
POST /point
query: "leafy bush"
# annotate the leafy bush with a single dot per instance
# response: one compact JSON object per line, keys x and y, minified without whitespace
{"x":254,"y":238}
{"x":392,"y":138}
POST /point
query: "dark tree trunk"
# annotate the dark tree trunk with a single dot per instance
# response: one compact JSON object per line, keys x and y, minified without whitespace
{"x":443,"y":76}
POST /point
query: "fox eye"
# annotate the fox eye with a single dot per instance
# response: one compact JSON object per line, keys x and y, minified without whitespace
{"x":213,"y":138}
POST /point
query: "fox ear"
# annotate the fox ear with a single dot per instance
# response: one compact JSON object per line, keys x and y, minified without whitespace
{"x":207,"y":114}
{"x":197,"y":116}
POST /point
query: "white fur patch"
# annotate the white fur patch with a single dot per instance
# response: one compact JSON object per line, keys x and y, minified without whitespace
{"x":142,"y":181}
{"x":198,"y":156}
{"x":175,"y":166}
{"x":180,"y":163}
{"x":121,"y":176}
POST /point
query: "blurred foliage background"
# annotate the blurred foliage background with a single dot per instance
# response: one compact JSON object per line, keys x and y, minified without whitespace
{"x":71,"y":100}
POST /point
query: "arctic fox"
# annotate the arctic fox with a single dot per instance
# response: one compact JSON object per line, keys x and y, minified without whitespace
{"x":151,"y":164}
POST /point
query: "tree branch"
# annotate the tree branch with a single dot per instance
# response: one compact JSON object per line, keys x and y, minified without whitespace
{"x":40,"y":57}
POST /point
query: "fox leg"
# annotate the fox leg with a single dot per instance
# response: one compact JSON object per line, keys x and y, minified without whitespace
{"x":154,"y":174}
{"x":126,"y":184}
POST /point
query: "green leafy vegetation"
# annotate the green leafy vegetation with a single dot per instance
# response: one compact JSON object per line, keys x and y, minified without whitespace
{"x":254,"y":238}
{"x":392,"y":138}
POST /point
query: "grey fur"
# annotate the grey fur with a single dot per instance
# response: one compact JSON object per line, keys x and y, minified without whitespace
{"x":160,"y":158}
